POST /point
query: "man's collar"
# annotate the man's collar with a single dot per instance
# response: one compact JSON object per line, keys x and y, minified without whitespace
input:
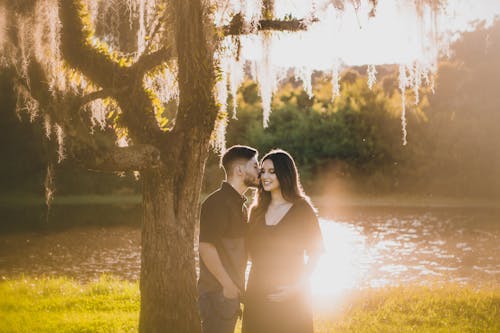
{"x":230,"y":189}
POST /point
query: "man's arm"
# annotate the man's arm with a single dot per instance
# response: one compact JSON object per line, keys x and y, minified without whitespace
{"x":211,"y":259}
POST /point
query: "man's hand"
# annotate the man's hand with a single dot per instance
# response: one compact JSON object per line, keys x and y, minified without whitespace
{"x":230,"y":290}
{"x":210,"y":257}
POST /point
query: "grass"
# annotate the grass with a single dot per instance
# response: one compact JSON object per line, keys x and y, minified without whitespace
{"x":64,"y":305}
{"x":112,"y":305}
{"x":444,"y":308}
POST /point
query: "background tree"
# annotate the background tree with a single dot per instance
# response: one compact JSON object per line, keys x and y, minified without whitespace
{"x":100,"y":97}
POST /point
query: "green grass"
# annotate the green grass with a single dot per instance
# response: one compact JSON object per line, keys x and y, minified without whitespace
{"x":112,"y":305}
{"x":64,"y":305}
{"x":444,"y":308}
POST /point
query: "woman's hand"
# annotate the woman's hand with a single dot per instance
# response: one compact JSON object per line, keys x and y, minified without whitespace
{"x":285,"y":292}
{"x":282,"y":293}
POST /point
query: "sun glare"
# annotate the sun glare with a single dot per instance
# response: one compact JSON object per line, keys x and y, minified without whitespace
{"x":412,"y":34}
{"x":396,"y":35}
{"x":341,"y":267}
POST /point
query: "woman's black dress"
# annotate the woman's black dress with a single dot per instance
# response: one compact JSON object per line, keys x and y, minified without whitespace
{"x":277,"y":254}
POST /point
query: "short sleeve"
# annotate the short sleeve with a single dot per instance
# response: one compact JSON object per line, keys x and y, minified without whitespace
{"x":213,"y":222}
{"x":312,"y":236}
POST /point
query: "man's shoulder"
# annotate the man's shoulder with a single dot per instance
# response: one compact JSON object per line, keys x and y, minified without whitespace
{"x":214,"y":198}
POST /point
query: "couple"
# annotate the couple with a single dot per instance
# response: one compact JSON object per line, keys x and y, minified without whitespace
{"x":281,"y":229}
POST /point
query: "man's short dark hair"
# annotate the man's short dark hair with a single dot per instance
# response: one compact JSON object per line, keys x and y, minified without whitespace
{"x":235,"y":154}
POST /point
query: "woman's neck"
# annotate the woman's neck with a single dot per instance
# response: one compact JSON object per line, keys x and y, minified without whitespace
{"x":277,"y":198}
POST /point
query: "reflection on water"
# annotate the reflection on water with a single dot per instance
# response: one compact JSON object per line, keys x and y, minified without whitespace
{"x":386,"y":247}
{"x":368,"y":248}
{"x":83,"y":253}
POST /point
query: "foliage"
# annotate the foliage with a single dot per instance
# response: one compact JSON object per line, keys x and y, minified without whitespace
{"x":462,"y":147}
{"x":357,"y":136}
{"x":79,"y":80}
{"x":452,"y":133}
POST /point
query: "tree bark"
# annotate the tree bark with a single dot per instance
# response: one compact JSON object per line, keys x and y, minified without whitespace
{"x":168,"y":276}
{"x":172,"y":191}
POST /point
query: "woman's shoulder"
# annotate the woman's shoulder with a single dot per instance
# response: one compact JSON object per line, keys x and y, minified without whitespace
{"x":304,"y":204}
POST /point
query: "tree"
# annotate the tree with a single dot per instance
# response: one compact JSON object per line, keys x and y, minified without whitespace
{"x":70,"y":78}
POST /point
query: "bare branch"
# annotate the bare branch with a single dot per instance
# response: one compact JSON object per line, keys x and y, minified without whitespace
{"x":236,"y":27}
{"x":153,"y":29}
{"x":285,"y":25}
{"x":151,"y":60}
{"x":100,"y":94}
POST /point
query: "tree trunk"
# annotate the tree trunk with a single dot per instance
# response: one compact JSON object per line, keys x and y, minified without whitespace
{"x":168,"y":277}
{"x":172,"y":191}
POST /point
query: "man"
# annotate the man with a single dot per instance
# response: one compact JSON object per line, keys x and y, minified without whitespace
{"x":223,"y":258}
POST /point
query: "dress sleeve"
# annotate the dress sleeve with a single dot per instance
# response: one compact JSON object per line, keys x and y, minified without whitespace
{"x":313,"y":240}
{"x":213,"y":222}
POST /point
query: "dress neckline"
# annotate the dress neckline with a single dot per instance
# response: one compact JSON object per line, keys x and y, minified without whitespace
{"x":281,"y":219}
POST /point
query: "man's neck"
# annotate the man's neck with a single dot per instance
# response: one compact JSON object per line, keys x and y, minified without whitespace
{"x":237,"y":185}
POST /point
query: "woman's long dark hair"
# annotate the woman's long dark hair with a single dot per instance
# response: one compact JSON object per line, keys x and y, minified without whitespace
{"x":288,"y":177}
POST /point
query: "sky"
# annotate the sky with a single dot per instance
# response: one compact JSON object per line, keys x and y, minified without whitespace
{"x":394,"y":35}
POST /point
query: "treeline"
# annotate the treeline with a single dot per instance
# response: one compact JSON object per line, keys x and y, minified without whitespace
{"x":353,"y":144}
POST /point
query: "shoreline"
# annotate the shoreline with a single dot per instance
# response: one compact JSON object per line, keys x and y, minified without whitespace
{"x":403,"y":201}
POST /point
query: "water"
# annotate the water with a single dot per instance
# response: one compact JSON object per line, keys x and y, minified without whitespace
{"x":365,"y":247}
{"x":387,"y":246}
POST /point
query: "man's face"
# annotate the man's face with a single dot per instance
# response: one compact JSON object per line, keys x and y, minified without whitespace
{"x":252,"y":170}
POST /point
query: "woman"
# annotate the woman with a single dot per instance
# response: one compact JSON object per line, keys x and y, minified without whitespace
{"x":283,"y":228}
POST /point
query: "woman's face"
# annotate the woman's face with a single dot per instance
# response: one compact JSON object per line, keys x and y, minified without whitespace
{"x":268,"y":177}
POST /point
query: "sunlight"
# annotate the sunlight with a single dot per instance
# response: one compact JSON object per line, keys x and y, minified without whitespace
{"x":397,"y":34}
{"x":412,"y":34}
{"x":341,"y":267}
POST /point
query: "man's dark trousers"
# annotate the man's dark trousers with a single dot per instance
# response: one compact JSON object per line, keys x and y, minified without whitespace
{"x":218,"y":314}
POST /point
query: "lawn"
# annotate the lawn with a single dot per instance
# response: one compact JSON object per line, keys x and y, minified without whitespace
{"x":112,"y":305}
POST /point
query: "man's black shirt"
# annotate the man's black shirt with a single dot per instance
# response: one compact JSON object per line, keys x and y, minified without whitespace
{"x":223,"y":223}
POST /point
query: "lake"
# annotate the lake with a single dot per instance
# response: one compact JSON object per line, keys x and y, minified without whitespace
{"x":365,"y":247}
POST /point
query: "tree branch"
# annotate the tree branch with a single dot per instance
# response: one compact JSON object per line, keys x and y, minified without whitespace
{"x":236,"y":27}
{"x":79,"y":53}
{"x":80,"y":145}
{"x":284,"y":25}
{"x":133,"y":158}
{"x":151,"y":60}
{"x":123,"y":83}
{"x":100,"y":94}
{"x":152,"y":30}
